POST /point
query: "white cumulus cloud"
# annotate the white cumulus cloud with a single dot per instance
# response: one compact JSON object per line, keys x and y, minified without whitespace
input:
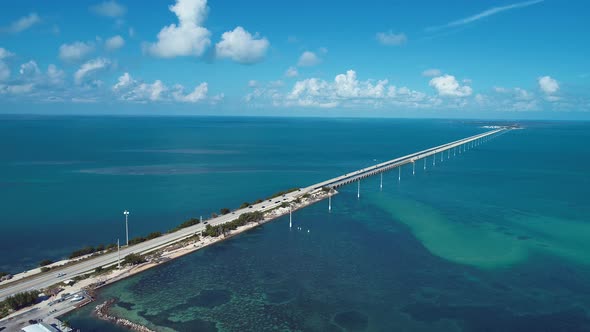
{"x":448,"y":86}
{"x":22,"y":23}
{"x":4,"y":71}
{"x":55,"y":76}
{"x":129,"y":89}
{"x":431,"y":72}
{"x":345,"y":90}
{"x":29,"y":69}
{"x":391,"y":39}
{"x":90,"y":68}
{"x":198,"y":94}
{"x":4,"y":53}
{"x":291,"y":72}
{"x":76,"y":51}
{"x":16,"y":89}
{"x":308,"y":59}
{"x":114,"y":43}
{"x":548,"y":85}
{"x":187,"y":38}
{"x":241,"y":46}
{"x":109,"y":9}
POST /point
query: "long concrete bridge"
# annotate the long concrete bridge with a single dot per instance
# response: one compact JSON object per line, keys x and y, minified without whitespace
{"x":451,"y":148}
{"x":42,"y":280}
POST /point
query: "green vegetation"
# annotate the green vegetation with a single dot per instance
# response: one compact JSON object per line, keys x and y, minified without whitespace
{"x":2,"y":274}
{"x":82,"y":276}
{"x":224,"y":211}
{"x":245,"y":218}
{"x":98,"y":269}
{"x":111,"y":246}
{"x":82,"y":252}
{"x":141,"y":239}
{"x":213,"y":215}
{"x":285,"y":192}
{"x":21,"y":300}
{"x":188,"y":223}
{"x":244,"y":205}
{"x":326,"y":189}
{"x":133,"y":259}
{"x":284,"y":205}
{"x":258,"y":201}
{"x":45,"y":262}
{"x":4,"y":310}
{"x":45,"y":268}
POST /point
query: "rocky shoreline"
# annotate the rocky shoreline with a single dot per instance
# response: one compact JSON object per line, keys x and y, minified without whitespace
{"x":102,"y":312}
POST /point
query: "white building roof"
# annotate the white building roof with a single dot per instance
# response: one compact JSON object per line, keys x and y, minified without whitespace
{"x":39,"y":327}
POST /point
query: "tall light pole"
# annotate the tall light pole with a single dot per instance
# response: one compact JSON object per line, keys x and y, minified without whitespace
{"x":126,"y":213}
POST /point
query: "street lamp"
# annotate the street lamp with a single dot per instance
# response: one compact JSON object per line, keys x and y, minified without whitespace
{"x":126,"y":213}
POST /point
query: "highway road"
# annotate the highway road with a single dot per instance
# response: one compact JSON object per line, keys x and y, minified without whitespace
{"x":43,"y":280}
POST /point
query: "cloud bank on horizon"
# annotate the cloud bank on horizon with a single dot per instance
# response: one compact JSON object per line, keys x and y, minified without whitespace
{"x":193,"y":52}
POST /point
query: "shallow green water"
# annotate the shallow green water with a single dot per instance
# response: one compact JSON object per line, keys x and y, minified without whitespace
{"x":493,"y":240}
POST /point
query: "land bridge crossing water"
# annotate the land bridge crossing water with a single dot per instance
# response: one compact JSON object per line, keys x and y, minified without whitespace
{"x":41,"y":280}
{"x":451,"y":148}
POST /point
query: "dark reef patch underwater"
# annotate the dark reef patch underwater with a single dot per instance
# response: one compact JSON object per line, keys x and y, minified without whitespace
{"x":494,"y":239}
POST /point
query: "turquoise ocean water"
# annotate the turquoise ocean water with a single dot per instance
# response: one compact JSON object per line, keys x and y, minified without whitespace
{"x":495,"y":239}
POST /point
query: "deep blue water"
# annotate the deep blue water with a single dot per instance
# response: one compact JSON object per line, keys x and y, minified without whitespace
{"x":492,"y":240}
{"x":66,"y":180}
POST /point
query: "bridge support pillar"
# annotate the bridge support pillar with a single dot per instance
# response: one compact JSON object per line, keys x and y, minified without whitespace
{"x":413,"y":168}
{"x":358,"y":190}
{"x":381,"y":184}
{"x":424,"y":163}
{"x":399,"y":177}
{"x":330,"y":201}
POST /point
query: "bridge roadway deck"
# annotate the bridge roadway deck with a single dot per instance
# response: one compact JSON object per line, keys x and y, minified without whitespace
{"x":43,"y":280}
{"x":397,"y":162}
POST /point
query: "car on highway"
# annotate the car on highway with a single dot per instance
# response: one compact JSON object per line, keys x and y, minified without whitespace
{"x":59,"y":275}
{"x":205,"y":223}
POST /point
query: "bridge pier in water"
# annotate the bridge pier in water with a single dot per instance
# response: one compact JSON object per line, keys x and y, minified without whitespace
{"x":462,"y":145}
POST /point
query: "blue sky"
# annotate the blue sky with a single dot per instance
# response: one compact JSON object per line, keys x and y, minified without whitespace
{"x":499,"y":59}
